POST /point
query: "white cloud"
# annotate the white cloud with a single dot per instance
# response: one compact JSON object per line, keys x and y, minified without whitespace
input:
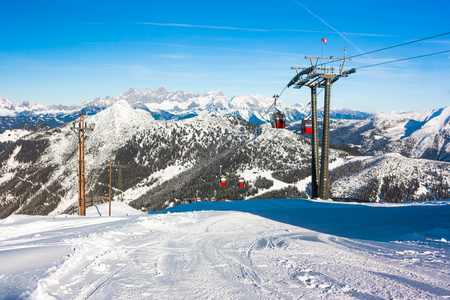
{"x":259,"y":29}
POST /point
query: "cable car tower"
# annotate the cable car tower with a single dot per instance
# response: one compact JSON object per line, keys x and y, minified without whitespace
{"x":316,"y":77}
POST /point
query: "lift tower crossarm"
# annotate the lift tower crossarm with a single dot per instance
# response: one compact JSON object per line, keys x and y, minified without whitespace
{"x":315,"y":68}
{"x":343,"y":74}
{"x":296,"y":78}
{"x":341,"y":68}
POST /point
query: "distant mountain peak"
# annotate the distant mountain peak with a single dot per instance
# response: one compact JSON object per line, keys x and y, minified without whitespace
{"x":215,"y":93}
{"x":133,"y":89}
{"x":161,"y":90}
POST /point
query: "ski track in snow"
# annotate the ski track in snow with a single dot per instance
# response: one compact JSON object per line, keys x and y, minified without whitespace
{"x":209,"y":254}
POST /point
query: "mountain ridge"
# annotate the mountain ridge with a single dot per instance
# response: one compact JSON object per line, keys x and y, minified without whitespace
{"x":172,"y":105}
{"x":423,"y":134}
{"x":415,"y":134}
{"x":173,"y":161}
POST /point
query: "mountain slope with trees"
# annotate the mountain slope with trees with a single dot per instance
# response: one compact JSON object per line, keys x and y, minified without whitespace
{"x":172,"y":162}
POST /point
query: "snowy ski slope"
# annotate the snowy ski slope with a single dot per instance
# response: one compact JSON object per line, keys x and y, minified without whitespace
{"x":256,"y":249}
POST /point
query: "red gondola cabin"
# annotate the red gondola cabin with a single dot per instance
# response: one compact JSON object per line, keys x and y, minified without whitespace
{"x":278,"y":120}
{"x":306,"y":126}
{"x":241,"y":182}
{"x":223,"y":181}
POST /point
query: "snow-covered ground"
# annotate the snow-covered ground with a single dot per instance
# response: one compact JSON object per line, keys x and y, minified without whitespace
{"x":256,"y":249}
{"x":12,"y":135}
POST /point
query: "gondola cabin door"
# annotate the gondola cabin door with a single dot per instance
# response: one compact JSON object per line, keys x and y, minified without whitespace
{"x":223,"y":181}
{"x":306,"y":126}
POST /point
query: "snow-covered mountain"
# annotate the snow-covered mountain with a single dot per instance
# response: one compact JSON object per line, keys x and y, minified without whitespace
{"x":391,"y":178}
{"x":170,"y":162}
{"x":39,"y":170}
{"x":179,"y":105}
{"x":28,"y":113}
{"x":163,"y":105}
{"x":413,"y":134}
{"x":423,"y":134}
{"x":29,"y":109}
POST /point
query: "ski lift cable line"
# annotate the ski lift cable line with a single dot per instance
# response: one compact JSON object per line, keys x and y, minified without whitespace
{"x":390,"y":47}
{"x":279,"y":95}
{"x":403,"y":59}
{"x":301,"y":111}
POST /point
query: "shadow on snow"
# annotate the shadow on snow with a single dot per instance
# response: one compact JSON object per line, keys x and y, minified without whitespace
{"x":370,"y":222}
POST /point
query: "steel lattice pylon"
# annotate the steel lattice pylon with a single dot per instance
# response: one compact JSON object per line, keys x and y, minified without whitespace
{"x":319,"y":77}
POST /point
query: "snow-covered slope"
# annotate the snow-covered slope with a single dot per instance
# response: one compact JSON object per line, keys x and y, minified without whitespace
{"x":12,"y":135}
{"x":109,"y":130}
{"x":259,"y":249}
{"x":113,"y":127}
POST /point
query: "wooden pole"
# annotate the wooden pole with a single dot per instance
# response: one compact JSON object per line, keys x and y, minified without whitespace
{"x":79,"y":174}
{"x":80,"y":132}
{"x":110,"y":171}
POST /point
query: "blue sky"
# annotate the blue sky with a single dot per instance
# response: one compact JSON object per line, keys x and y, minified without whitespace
{"x":68,"y":52}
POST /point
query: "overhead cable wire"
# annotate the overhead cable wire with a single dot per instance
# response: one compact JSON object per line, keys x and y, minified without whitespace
{"x":279,"y":95}
{"x":403,"y":59}
{"x":390,"y":47}
{"x":399,"y":45}
{"x":301,"y":111}
{"x":267,"y":111}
